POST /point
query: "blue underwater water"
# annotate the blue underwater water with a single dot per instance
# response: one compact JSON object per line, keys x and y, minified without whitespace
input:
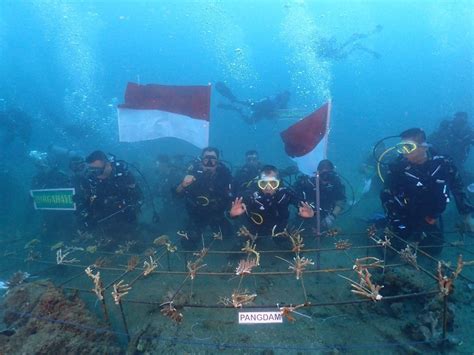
{"x":66,"y":65}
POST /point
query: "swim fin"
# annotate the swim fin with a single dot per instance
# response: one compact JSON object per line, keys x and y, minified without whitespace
{"x":224,"y":90}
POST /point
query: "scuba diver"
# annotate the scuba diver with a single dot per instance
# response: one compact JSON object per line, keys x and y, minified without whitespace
{"x":207,"y":189}
{"x":248,"y":172}
{"x":48,"y":175}
{"x":454,"y":138}
{"x":332,"y":192}
{"x":108,"y":195}
{"x":64,"y":156}
{"x":72,"y":159}
{"x":330,"y":49}
{"x":266,"y":206}
{"x":416,"y":192}
{"x":254,"y":111}
{"x":54,"y":224}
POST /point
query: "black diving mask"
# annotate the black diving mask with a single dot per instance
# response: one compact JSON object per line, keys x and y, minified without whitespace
{"x":327,"y":175}
{"x":252,"y":158}
{"x":95,"y":172}
{"x":209,"y":161}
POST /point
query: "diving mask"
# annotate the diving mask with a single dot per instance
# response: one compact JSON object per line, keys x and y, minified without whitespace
{"x":470,"y":188}
{"x":95,"y":172}
{"x":40,"y":159}
{"x":37,"y":155}
{"x":252,"y":158}
{"x":209,"y":161}
{"x":268,"y":181}
{"x":327,"y":175}
{"x":406,"y":147}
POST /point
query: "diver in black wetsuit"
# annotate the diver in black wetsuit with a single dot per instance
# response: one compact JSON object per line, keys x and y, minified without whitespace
{"x":48,"y":175}
{"x":54,"y":224}
{"x":330,"y":49}
{"x":416,"y":192}
{"x":266,"y":206}
{"x":207,"y":189}
{"x":108,"y":195}
{"x":254,"y":111}
{"x":332,"y":192}
{"x":247,"y":173}
{"x":454,"y":138}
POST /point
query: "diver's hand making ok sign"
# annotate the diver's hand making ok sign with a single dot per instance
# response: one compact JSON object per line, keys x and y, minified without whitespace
{"x":305,"y":210}
{"x":238,"y":207}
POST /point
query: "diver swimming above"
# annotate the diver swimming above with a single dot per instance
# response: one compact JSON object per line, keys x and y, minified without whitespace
{"x":254,"y":111}
{"x":330,"y":49}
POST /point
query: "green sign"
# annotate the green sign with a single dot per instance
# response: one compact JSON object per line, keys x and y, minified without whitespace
{"x":54,"y":199}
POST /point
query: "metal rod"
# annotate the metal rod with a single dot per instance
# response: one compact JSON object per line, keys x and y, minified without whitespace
{"x":445,"y":319}
{"x":113,"y":214}
{"x":269,"y":273}
{"x":104,"y":309}
{"x":431,"y":258}
{"x":71,"y":279}
{"x":318,"y":222}
{"x":323,"y":304}
{"x":304,"y":289}
{"x":135,"y":280}
{"x":179,"y":288}
{"x":118,"y":278}
{"x":384,"y":259}
{"x":124,"y":320}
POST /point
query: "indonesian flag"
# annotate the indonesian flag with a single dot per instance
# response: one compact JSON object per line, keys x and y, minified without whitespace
{"x":158,"y":111}
{"x":306,"y":141}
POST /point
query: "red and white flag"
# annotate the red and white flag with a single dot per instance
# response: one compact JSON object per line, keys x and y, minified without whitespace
{"x":158,"y":111}
{"x":306,"y":141}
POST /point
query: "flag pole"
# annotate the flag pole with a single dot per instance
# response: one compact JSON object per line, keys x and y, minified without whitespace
{"x":318,"y":194}
{"x":318,"y":223}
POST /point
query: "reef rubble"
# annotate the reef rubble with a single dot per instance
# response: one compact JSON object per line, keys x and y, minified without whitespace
{"x":41,"y":319}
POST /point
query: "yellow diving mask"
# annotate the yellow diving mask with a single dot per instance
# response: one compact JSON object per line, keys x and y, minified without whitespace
{"x":268,"y":181}
{"x":406,"y":147}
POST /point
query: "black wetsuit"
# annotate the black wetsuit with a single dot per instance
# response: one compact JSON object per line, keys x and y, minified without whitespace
{"x":268,"y":213}
{"x":455,"y":143}
{"x":50,"y":178}
{"x":332,"y":192}
{"x":268,"y":107}
{"x":415,"y":196}
{"x":54,"y":224}
{"x":244,"y":177}
{"x":253,"y":111}
{"x":206,"y":200}
{"x":115,"y":200}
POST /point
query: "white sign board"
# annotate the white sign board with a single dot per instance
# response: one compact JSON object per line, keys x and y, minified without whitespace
{"x":260,"y":317}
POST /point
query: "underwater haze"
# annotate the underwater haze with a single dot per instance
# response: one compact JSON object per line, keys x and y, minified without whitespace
{"x":386,"y":66}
